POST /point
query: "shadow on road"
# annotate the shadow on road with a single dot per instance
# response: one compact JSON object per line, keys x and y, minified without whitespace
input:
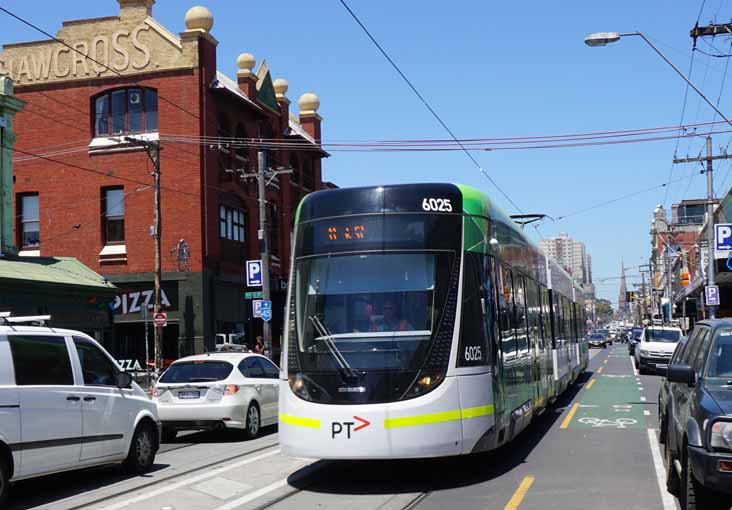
{"x":423,"y":475}
{"x":25,"y":494}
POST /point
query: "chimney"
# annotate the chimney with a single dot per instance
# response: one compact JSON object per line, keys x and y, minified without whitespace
{"x":309,"y":118}
{"x":246,"y":78}
{"x":135,"y":9}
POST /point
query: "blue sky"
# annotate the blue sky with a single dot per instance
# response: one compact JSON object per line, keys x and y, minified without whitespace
{"x":490,"y":69}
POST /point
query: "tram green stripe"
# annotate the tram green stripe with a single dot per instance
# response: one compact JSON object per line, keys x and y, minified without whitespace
{"x":428,"y":419}
{"x":298,"y":421}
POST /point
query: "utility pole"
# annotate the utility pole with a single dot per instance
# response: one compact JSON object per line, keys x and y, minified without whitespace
{"x":263,"y":244}
{"x":153,"y":152}
{"x":669,"y":290}
{"x":710,"y":210}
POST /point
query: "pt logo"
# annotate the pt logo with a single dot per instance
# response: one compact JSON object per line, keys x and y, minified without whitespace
{"x":338,"y":427}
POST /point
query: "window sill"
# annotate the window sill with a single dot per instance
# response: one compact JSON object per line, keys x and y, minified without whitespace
{"x":29,"y":252}
{"x":113,"y":254}
{"x":108,"y":144}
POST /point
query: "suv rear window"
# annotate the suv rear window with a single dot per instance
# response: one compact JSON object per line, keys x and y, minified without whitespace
{"x":41,"y":360}
{"x":197,"y":371}
{"x":662,"y":335}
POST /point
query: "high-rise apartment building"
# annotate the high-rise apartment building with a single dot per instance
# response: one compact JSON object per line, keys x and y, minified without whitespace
{"x":572,"y":255}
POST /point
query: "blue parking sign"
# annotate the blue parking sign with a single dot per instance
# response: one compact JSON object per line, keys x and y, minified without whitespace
{"x":266,"y":310}
{"x":711,"y":295}
{"x":257,"y":308}
{"x":254,"y":273}
{"x":723,"y":236}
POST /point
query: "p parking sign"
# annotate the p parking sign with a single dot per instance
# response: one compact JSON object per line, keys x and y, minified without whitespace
{"x":711,"y":295}
{"x":254,"y":273}
{"x":723,"y":237}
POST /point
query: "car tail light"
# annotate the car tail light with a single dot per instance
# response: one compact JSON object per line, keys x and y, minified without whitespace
{"x":230,"y":389}
{"x":158,"y":391}
{"x":724,"y":466}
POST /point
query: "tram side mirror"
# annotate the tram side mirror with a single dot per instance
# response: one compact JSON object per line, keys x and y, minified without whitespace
{"x":683,"y":374}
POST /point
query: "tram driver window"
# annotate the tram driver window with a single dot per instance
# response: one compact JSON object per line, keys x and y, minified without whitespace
{"x":504,"y":299}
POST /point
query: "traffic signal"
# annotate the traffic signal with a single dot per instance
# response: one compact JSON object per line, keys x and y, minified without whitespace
{"x":684,"y":278}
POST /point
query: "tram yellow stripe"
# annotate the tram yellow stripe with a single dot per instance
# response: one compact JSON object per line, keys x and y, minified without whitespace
{"x":299,"y":421}
{"x":428,"y":419}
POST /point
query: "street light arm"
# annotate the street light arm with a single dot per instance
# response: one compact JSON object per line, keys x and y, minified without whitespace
{"x":679,"y":72}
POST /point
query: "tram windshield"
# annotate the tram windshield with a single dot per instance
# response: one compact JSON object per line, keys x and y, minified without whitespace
{"x":372,"y":311}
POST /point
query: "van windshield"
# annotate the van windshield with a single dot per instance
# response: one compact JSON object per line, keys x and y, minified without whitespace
{"x":669,"y":336}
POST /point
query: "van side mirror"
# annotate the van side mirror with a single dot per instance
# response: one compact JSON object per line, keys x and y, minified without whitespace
{"x":124,"y":380}
{"x":683,"y":374}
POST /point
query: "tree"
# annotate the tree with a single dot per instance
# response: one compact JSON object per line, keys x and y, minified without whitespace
{"x":603,"y":309}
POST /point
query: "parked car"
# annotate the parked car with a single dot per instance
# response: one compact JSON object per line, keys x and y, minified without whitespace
{"x":656,"y":345}
{"x":695,"y":412}
{"x":67,"y":405}
{"x":217,"y":391}
{"x":635,"y":337}
{"x":597,"y":340}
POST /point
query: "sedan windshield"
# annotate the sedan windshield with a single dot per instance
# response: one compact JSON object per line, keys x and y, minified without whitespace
{"x":197,"y":371}
{"x":669,"y":336}
{"x":720,"y":357}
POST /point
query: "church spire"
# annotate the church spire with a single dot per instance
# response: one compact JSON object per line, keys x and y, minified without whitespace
{"x":622,"y":298}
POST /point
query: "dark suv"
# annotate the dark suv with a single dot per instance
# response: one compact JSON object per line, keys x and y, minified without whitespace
{"x":695,"y":410}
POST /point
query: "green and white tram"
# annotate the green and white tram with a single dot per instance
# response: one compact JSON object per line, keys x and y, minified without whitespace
{"x":421,"y":322}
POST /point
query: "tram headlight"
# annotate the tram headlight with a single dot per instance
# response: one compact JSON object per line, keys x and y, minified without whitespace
{"x":299,"y":386}
{"x":426,"y":382}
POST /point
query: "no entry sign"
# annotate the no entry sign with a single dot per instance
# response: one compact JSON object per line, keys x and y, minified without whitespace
{"x":160,"y":319}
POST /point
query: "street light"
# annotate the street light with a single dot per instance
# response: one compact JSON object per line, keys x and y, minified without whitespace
{"x":601,"y":39}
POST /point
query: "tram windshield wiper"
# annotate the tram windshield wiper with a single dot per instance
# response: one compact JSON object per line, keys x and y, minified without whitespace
{"x":328,"y":339}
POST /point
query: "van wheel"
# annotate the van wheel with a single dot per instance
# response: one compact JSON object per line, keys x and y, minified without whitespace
{"x":253,"y":421}
{"x":142,"y":450}
{"x":4,"y":484}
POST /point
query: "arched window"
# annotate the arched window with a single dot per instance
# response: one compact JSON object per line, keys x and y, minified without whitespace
{"x":122,"y":111}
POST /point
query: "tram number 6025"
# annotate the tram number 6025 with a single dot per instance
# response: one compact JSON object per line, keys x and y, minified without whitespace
{"x":473,"y":353}
{"x":437,"y":204}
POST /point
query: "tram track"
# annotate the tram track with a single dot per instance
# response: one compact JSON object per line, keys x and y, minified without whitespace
{"x":176,"y":476}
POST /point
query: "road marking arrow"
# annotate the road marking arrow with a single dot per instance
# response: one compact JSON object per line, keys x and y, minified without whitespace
{"x":364,"y":423}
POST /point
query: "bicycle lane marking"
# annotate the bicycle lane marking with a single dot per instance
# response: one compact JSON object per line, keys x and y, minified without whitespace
{"x":608,"y":401}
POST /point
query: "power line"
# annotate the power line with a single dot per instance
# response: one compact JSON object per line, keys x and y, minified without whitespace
{"x":427,"y":104}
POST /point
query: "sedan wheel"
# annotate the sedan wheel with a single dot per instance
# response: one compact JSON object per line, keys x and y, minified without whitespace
{"x":253,"y":421}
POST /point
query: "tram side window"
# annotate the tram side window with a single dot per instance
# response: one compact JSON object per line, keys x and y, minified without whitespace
{"x":473,"y":350}
{"x":504,"y":298}
{"x":519,"y":325}
{"x":545,"y":320}
{"x":532,"y":306}
{"x":558,"y":336}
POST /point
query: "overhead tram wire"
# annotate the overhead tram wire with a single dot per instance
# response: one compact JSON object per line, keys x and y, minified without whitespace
{"x":86,"y":56}
{"x":428,"y":106}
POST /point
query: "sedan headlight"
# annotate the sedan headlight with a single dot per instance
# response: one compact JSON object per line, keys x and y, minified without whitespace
{"x":644,"y":353}
{"x":721,"y":436}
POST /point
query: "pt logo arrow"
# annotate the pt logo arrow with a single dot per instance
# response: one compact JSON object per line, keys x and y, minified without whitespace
{"x":347,"y":427}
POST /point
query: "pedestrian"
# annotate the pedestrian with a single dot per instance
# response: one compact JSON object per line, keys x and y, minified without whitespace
{"x":259,"y":346}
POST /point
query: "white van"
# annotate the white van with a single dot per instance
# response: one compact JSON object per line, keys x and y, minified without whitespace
{"x":65,"y":404}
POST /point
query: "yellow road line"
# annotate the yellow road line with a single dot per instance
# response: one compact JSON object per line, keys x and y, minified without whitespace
{"x":520,"y":493}
{"x":605,"y":362}
{"x":570,"y":415}
{"x":599,"y":370}
{"x":591,"y":383}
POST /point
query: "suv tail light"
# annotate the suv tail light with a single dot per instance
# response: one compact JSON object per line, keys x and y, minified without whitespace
{"x":230,"y":389}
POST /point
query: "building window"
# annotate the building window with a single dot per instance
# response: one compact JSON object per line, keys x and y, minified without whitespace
{"x":133,"y":110}
{"x":30,"y":223}
{"x":231,"y":224}
{"x":113,"y":203}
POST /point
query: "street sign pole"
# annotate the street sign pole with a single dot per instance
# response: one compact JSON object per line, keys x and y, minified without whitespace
{"x":264,"y":247}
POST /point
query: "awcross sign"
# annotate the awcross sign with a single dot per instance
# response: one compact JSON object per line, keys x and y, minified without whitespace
{"x":346,"y":427}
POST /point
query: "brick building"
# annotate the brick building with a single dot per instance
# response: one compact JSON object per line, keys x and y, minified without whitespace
{"x":91,"y":198}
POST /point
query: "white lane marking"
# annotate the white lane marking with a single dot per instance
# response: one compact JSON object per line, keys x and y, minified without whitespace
{"x":188,"y":481}
{"x":254,"y":495}
{"x":640,"y":388}
{"x":646,"y":412}
{"x":669,"y":502}
{"x":643,"y":399}
{"x":632,"y":364}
